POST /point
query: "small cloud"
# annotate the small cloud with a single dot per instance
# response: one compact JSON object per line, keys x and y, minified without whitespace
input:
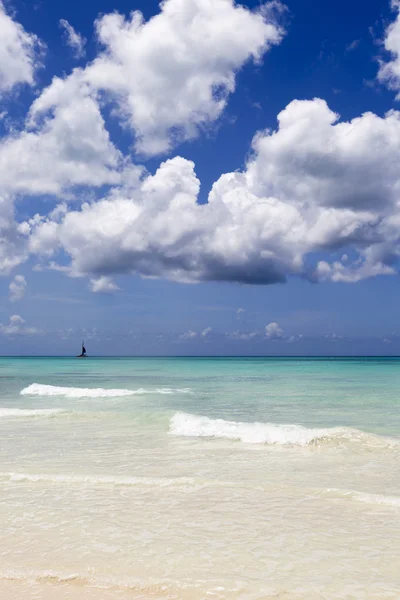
{"x":274,"y":332}
{"x":91,"y":334}
{"x":243,"y":335}
{"x":189,"y":335}
{"x":65,"y":334}
{"x":16,"y":326}
{"x":294,"y":338}
{"x":387,"y":341}
{"x":240,"y":311}
{"x":17,"y":320}
{"x":103,"y":285}
{"x":333,"y":337}
{"x":206,"y":332}
{"x":353,"y":45}
{"x":73,"y":39}
{"x":17,"y":288}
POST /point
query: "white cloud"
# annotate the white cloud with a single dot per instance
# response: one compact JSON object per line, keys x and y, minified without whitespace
{"x":185,"y":52}
{"x":243,"y":335}
{"x":64,"y":147}
{"x":274,"y":332}
{"x":19,"y":53}
{"x":338,"y":272}
{"x":13,"y":244}
{"x":171,"y":76}
{"x":206,"y":332}
{"x":389,"y":71}
{"x":294,"y":338}
{"x":315,"y":185}
{"x":240,"y":311}
{"x":166,"y":198}
{"x":189,"y":335}
{"x":16,"y":326}
{"x":333,"y":337}
{"x":103,"y":285}
{"x":73,"y":39}
{"x":67,"y":148}
{"x":17,"y":288}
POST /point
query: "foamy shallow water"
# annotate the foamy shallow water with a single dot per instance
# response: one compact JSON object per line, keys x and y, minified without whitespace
{"x":246,"y":480}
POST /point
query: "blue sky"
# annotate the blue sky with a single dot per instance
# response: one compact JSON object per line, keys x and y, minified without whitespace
{"x":176,"y":213}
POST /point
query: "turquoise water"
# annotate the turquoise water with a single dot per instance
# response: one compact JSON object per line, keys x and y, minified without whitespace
{"x":198,"y":477}
{"x":357,"y":392}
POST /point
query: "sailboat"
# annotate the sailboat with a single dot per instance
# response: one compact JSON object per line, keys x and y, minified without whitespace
{"x":83,"y":353}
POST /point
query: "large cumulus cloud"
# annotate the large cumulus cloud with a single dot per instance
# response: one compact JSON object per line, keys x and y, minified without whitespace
{"x":19,"y":53}
{"x":56,"y":152}
{"x":165,"y":79}
{"x":310,"y":188}
{"x":171,"y":76}
{"x":318,"y":197}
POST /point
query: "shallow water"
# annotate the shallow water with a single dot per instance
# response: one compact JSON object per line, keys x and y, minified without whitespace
{"x":195,"y":478}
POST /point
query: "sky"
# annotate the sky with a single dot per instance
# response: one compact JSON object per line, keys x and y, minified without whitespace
{"x":199,"y":177}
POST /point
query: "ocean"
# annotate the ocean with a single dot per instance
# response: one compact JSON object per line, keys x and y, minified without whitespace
{"x":200,"y":478}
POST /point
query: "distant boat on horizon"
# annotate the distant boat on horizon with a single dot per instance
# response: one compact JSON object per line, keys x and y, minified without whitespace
{"x":83,"y":353}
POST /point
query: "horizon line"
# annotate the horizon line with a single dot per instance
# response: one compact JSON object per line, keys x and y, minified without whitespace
{"x":162,"y":356}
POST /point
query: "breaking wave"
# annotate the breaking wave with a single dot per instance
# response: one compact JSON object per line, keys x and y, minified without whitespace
{"x":27,"y":412}
{"x":38,"y":389}
{"x":188,"y":425}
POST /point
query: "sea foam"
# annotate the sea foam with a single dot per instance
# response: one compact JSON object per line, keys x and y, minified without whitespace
{"x":377,"y":499}
{"x":374,"y":499}
{"x":38,"y":389}
{"x":27,"y":412}
{"x":88,"y":579}
{"x":58,"y":478}
{"x":188,"y":425}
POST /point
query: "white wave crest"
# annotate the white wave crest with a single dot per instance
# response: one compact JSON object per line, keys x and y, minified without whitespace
{"x":27,"y":412}
{"x":183,"y":424}
{"x":38,"y":389}
{"x":97,"y":479}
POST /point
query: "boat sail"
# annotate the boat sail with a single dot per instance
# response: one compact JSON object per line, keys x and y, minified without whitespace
{"x":83,"y":353}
